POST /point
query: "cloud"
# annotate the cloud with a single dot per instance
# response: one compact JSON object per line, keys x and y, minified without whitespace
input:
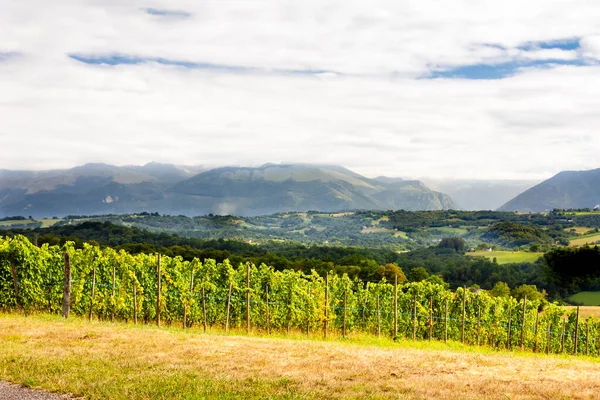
{"x":249,"y":82}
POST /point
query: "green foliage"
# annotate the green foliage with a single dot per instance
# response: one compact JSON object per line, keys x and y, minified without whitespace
{"x":500,"y":289}
{"x":296,"y":300}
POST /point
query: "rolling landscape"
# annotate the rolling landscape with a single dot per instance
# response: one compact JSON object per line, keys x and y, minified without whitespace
{"x":299,"y":200}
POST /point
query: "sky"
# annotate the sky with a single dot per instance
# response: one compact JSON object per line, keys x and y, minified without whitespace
{"x":446,"y":89}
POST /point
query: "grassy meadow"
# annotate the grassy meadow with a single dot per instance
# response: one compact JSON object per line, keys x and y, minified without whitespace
{"x":583,"y":240}
{"x":587,"y":298}
{"x":507,"y":257}
{"x":100,"y":360}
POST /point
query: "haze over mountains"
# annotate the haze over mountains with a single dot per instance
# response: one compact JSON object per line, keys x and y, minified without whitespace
{"x":163,"y":188}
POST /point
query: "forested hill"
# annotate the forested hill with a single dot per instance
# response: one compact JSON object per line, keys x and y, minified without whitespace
{"x":566,"y":190}
{"x":168,"y":189}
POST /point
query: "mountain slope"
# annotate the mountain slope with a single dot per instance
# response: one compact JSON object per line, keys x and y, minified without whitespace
{"x":567,"y":189}
{"x":102,"y":189}
{"x":480,"y":194}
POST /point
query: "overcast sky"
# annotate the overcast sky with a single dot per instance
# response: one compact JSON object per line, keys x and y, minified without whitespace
{"x":461,"y":88}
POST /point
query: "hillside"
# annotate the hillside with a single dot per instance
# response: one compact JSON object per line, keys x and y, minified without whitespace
{"x":479,"y":194}
{"x":566,"y":190}
{"x":167,"y":189}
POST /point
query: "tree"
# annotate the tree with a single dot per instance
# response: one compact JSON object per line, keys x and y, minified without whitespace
{"x":500,"y":289}
{"x":418,"y":274}
{"x":528,"y":290}
{"x":388,"y":271}
{"x":455,"y":243}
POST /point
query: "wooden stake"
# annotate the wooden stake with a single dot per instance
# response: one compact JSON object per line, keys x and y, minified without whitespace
{"x":576,"y":332}
{"x":446,"y":321}
{"x":378,"y":318}
{"x":548,"y":338}
{"x":248,"y":298}
{"x":93,"y":293}
{"x":326,"y":305}
{"x":464,"y":306}
{"x":268,"y":315}
{"x":415,"y":316}
{"x":112,"y":317}
{"x":158,"y":293}
{"x":344,"y":325}
{"x":430,"y":317}
{"x":309,"y":298}
{"x":509,"y":328}
{"x":67,"y":286}
{"x":228,"y":307}
{"x":562,"y":338}
{"x":135,"y":308}
{"x":535,"y":332}
{"x":522,"y":341}
{"x":395,"y":307}
{"x":587,"y":337}
{"x":478,"y":324}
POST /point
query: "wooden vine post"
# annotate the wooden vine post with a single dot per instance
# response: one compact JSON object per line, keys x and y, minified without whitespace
{"x":535,"y":332}
{"x":248,"y":298}
{"x":430,"y":317}
{"x":446,"y":321}
{"x":66,"y":308}
{"x":522,"y":340}
{"x":548,"y":338}
{"x":158,"y":293}
{"x":93,"y":293}
{"x":344,"y":322}
{"x":267,"y":307}
{"x":464,"y":307}
{"x":562,"y":337}
{"x":509,"y":327}
{"x":576,"y":332}
{"x":114,"y":303}
{"x":189,"y":296}
{"x":415,"y":315}
{"x":135,"y":307}
{"x":378,"y":317}
{"x":395,"y":307}
{"x":478,"y":324}
{"x":309,"y":298}
{"x":228,"y":307}
{"x":325,"y":320}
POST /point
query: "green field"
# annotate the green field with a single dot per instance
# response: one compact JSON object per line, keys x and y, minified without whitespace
{"x":586,"y":298}
{"x":507,"y":257}
{"x":582,"y":241}
{"x":451,"y":231}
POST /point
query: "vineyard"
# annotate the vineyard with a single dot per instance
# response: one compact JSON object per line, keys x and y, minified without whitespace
{"x":110,"y":285}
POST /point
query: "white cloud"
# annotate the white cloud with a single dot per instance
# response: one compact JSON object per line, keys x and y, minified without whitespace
{"x":371,"y":113}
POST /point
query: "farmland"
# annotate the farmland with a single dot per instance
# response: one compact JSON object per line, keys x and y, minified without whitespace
{"x":587,"y":298}
{"x":506,"y":257}
{"x":121,"y":361}
{"x":584,"y":240}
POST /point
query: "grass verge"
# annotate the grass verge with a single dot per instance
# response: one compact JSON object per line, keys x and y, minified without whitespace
{"x":120,"y":361}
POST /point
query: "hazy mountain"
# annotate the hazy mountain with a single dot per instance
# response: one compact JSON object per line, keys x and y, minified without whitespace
{"x":567,"y":189}
{"x":479,"y":194}
{"x":102,"y":189}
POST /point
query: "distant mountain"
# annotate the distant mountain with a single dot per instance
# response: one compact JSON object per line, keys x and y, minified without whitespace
{"x":102,"y":189}
{"x":567,"y":189}
{"x":480,"y":194}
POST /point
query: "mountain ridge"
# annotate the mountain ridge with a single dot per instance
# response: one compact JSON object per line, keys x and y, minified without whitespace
{"x":166,"y":188}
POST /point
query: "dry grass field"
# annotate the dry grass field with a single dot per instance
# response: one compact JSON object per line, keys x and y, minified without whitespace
{"x":120,"y":361}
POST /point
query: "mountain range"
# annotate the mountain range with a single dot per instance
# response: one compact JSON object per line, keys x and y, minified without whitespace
{"x":169,"y":189}
{"x":565,"y":190}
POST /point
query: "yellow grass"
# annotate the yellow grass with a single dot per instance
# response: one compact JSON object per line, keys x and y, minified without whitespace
{"x":580,"y":230}
{"x":104,"y":361}
{"x":585,"y":240}
{"x":586,"y":311}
